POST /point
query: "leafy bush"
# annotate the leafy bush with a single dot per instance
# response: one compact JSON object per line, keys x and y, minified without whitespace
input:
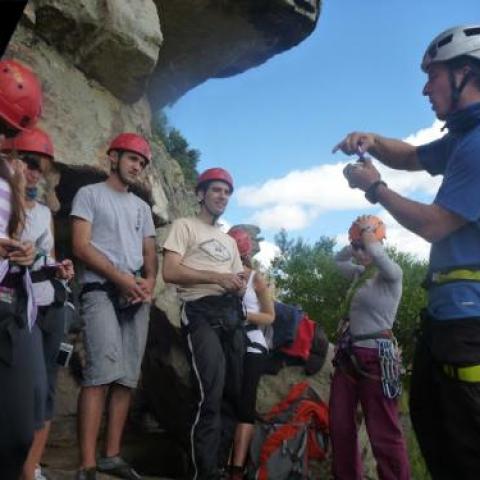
{"x":177,"y":147}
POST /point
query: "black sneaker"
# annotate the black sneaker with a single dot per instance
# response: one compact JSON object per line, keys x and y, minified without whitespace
{"x":117,"y":467}
{"x":86,"y":474}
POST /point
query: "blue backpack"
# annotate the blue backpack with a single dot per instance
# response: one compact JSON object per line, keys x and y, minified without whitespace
{"x":287,"y":318}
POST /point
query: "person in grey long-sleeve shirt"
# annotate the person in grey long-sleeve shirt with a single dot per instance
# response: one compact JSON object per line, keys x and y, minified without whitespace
{"x":375,"y":303}
{"x":358,"y":376}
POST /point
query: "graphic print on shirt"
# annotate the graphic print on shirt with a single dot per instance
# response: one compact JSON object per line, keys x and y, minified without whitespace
{"x":139,"y":222}
{"x":216,"y":250}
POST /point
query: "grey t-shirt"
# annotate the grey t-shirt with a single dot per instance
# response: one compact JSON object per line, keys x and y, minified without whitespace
{"x":120,"y":221}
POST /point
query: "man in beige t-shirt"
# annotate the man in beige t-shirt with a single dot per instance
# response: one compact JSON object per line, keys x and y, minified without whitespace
{"x":205,"y":265}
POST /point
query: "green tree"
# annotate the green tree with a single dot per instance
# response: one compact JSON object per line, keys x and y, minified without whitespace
{"x":306,"y":274}
{"x":177,"y":146}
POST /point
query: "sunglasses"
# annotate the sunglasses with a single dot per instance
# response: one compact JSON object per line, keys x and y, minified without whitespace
{"x":8,"y":131}
{"x":357,"y":247}
{"x":31,"y":162}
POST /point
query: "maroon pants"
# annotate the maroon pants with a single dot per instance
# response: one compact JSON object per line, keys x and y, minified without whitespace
{"x":381,"y":420}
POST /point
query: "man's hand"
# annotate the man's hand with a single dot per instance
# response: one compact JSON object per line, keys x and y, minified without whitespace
{"x":147,"y":285}
{"x":355,"y":143}
{"x":23,"y":254}
{"x":65,"y":270}
{"x":130,"y":288}
{"x":231,"y":282}
{"x":361,"y":176}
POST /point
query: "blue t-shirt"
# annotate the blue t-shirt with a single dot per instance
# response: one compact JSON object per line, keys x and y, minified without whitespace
{"x":457,"y":157}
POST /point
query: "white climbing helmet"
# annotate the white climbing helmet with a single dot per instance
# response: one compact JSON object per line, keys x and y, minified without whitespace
{"x":452,"y":43}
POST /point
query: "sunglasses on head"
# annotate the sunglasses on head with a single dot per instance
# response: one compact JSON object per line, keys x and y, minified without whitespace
{"x":8,"y":131}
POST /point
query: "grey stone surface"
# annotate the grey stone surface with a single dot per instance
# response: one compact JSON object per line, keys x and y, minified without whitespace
{"x":115,"y":42}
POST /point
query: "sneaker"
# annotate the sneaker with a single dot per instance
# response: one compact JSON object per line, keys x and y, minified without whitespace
{"x":86,"y":474}
{"x":117,"y":467}
{"x":37,"y":474}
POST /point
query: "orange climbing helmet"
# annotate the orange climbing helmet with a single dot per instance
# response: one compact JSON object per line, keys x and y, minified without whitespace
{"x":132,"y":142}
{"x":243,"y":239}
{"x":20,"y":95}
{"x":374,"y":224}
{"x":31,"y":141}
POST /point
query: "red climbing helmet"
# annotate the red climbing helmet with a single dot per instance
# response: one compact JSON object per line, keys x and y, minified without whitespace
{"x":215,"y":174}
{"x":243,"y":239}
{"x":133,"y":143}
{"x":31,"y":141}
{"x":20,"y":95}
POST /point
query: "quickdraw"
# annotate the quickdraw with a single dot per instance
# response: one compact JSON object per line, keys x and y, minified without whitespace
{"x":390,"y":367}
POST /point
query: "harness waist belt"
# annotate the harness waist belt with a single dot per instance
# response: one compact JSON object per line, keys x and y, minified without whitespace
{"x":465,"y":374}
{"x":388,"y":334}
{"x":456,"y":275}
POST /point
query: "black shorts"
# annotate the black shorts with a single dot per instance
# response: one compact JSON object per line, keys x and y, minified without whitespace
{"x":253,"y":369}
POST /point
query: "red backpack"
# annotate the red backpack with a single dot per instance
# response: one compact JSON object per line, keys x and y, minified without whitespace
{"x":292,"y":433}
{"x":300,"y":348}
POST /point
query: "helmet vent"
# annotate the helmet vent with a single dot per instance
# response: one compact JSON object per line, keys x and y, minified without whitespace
{"x":469,"y":32}
{"x":445,"y":41}
{"x":432,"y":51}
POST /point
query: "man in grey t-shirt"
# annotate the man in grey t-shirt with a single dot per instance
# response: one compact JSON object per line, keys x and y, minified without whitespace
{"x":113,"y":235}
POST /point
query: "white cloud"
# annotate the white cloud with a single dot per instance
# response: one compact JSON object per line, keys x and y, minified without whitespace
{"x":323,"y":186}
{"x":426,"y":135}
{"x":403,"y":239}
{"x":293,"y":217}
{"x":267,"y":253}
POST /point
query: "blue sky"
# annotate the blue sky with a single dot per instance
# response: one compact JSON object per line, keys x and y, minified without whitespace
{"x":273,"y":127}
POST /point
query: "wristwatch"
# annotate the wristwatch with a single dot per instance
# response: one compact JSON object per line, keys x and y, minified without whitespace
{"x":371,"y":191}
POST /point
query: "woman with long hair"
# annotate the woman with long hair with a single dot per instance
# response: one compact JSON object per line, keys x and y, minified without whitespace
{"x":35,"y":149}
{"x":259,"y":308}
{"x":367,"y":363}
{"x":20,"y":107}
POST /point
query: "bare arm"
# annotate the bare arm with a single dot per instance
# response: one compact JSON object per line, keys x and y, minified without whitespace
{"x":150,"y":259}
{"x":394,"y":153}
{"x":150,"y":266}
{"x":174,"y":271}
{"x":266,"y":316}
{"x":431,"y":222}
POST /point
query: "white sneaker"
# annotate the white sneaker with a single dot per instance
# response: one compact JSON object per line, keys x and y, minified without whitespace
{"x":38,"y":475}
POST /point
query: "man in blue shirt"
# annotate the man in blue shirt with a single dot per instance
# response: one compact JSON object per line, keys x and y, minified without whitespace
{"x":445,"y":387}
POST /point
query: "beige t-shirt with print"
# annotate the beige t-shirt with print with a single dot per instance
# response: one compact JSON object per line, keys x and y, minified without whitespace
{"x":203,"y":247}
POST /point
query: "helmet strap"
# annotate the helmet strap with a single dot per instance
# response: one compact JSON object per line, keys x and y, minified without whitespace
{"x":457,"y":89}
